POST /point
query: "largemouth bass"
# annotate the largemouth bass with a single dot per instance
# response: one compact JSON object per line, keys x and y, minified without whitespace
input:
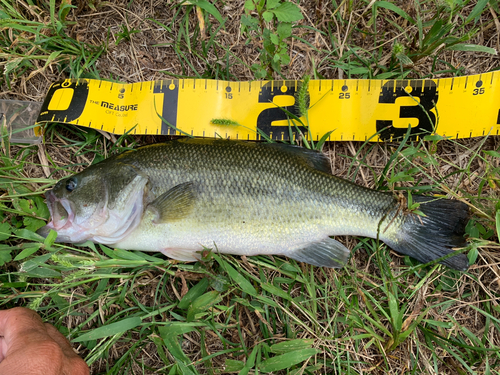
{"x":184,"y":196}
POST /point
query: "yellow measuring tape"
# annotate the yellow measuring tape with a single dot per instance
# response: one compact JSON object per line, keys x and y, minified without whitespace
{"x":353,"y":109}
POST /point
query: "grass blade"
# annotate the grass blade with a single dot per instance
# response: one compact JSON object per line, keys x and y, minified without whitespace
{"x":110,"y":330}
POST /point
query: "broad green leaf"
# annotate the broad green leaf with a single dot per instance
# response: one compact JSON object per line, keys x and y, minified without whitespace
{"x":41,"y":208}
{"x":106,"y":250}
{"x":193,"y":293}
{"x":5,"y":256}
{"x":146,"y":256}
{"x":33,"y":224}
{"x":251,"y":360}
{"x":477,"y":11}
{"x":394,"y":311}
{"x":110,"y":329}
{"x":43,"y":272}
{"x":493,"y":153}
{"x":268,"y":16}
{"x":54,"y":55}
{"x":285,"y":60}
{"x":361,"y":336}
{"x":292,"y":345}
{"x":249,"y":5}
{"x":284,"y":30}
{"x":390,"y":6}
{"x":26,"y":253}
{"x":159,"y":347}
{"x":184,"y":369}
{"x":403,"y":59}
{"x":276,"y":291}
{"x":177,"y":329}
{"x":12,"y":64}
{"x":26,"y":206}
{"x":472,"y":48}
{"x":28,"y":235}
{"x":359,"y":70}
{"x":243,"y":283}
{"x":60,"y":302}
{"x":271,"y":4}
{"x":285,"y":361}
{"x":436,"y":323}
{"x":473,"y":253}
{"x":287,"y":12}
{"x":174,"y":347}
{"x":210,"y":8}
{"x":4,"y":231}
{"x":232,"y":365}
{"x":203,"y":303}
{"x":248,"y":23}
{"x":275,"y":39}
{"x":64,"y":9}
{"x":267,"y":301}
{"x":124,"y":254}
{"x":35,"y":262}
{"x":50,"y":239}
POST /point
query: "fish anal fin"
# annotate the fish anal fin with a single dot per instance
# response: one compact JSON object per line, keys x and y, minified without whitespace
{"x":325,"y":253}
{"x":174,"y":204}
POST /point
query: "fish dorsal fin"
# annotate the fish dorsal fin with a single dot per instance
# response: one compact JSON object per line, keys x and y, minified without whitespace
{"x":174,"y":204}
{"x":325,"y":253}
{"x":314,"y":159}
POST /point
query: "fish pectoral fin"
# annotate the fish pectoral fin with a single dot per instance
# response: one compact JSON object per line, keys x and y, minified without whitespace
{"x":325,"y":253}
{"x":175,"y":204}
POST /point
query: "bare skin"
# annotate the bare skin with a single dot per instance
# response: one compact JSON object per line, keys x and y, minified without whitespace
{"x":30,"y":347}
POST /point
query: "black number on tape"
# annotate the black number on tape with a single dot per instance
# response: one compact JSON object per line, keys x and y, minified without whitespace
{"x":170,"y":91}
{"x":79,"y":91}
{"x":425,"y":91}
{"x":267,"y":116}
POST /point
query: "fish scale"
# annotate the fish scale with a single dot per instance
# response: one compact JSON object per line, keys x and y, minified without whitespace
{"x":250,"y":198}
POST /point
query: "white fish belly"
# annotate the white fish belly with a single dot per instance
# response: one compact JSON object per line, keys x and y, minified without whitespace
{"x":261,"y":229}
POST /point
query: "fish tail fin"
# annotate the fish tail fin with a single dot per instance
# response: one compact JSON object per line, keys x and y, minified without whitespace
{"x":436,"y":233}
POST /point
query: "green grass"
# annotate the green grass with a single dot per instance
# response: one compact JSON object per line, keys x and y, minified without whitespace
{"x":28,"y":45}
{"x":135,"y":312}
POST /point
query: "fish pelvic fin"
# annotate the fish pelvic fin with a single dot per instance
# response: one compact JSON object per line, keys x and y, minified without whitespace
{"x":174,"y":204}
{"x":184,"y":255}
{"x":325,"y":253}
{"x":433,"y":236}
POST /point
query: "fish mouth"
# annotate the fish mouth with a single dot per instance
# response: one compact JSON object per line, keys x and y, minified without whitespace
{"x":76,"y":221}
{"x":61,"y":213}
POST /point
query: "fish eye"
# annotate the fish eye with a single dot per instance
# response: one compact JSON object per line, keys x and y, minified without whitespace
{"x":71,"y":184}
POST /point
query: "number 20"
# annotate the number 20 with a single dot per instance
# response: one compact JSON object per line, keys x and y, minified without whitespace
{"x":478,"y":91}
